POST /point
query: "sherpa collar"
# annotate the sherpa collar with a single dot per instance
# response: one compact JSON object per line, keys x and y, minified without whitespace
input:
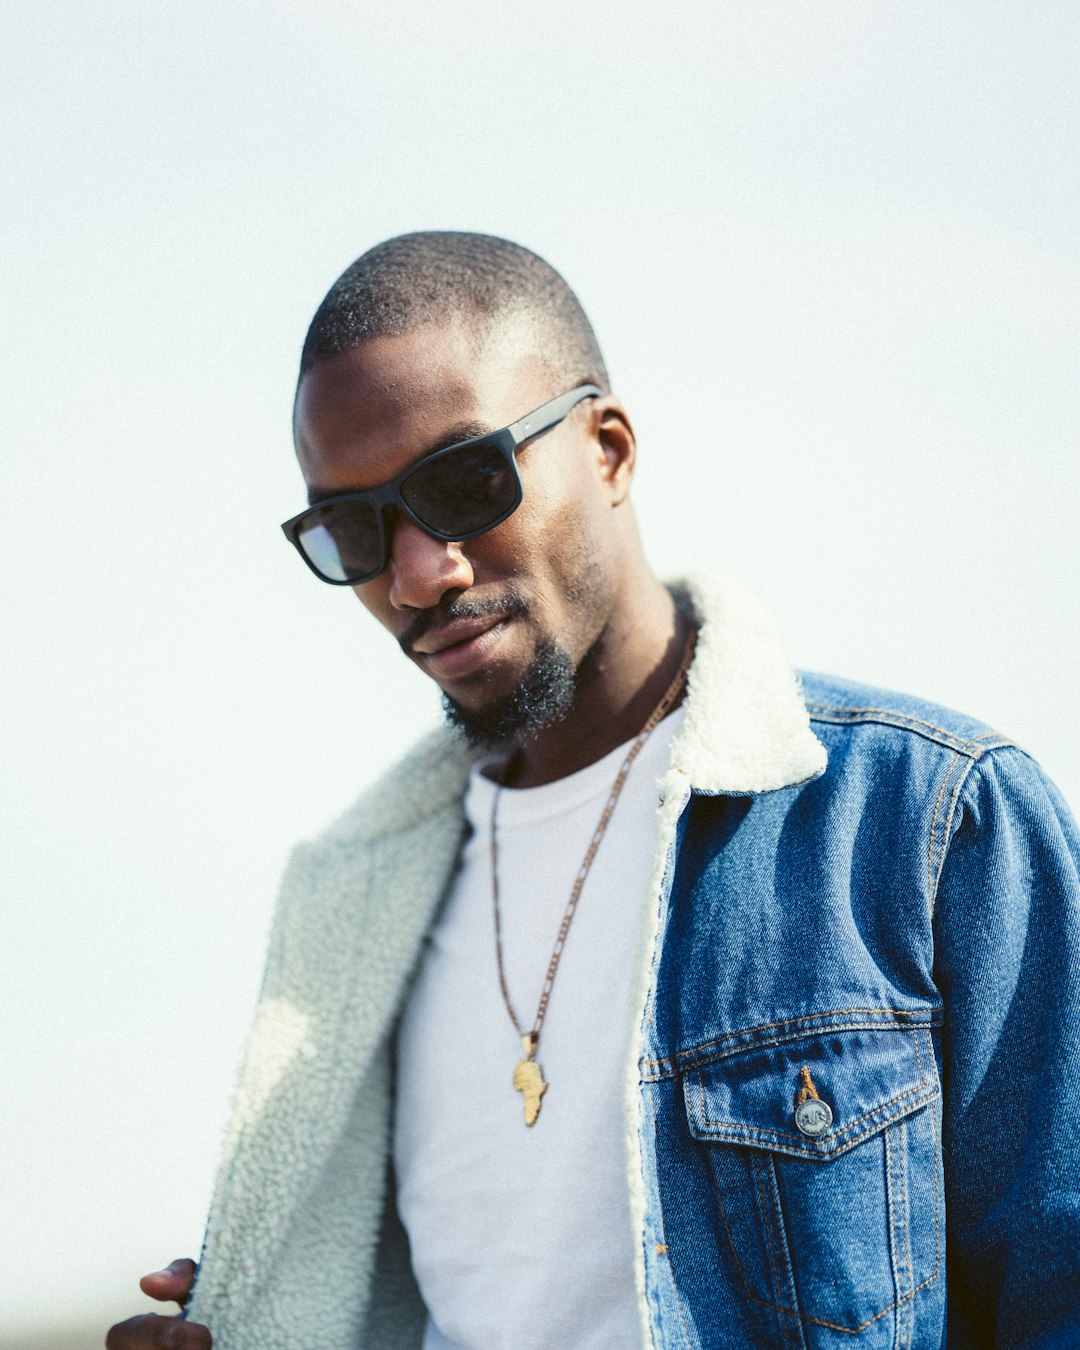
{"x":746,"y":727}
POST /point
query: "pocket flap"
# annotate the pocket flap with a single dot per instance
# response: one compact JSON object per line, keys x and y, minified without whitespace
{"x":814,"y":1098}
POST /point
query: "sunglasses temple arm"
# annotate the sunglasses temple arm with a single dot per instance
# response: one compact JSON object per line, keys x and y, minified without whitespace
{"x":551,"y":413}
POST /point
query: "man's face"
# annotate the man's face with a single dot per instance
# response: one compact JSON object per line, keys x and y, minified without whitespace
{"x":517,"y":607}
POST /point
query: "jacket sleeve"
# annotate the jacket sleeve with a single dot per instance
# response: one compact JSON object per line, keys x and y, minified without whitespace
{"x":1007,"y":930}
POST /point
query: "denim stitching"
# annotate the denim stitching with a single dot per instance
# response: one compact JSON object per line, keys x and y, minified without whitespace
{"x":894,"y":1177}
{"x":954,"y":768}
{"x":890,"y":1208}
{"x":835,"y":1326}
{"x":837,"y":1029}
{"x":680,"y":1305}
{"x":854,"y":1331}
{"x":744,"y":1134}
{"x":937,"y":1199}
{"x":946,"y":781}
{"x":946,"y":831}
{"x":839,"y":1134}
{"x":755,"y":1164}
{"x":909,"y":1297}
{"x":904,"y":722}
{"x":805,"y":1317}
{"x":928,"y":1015}
{"x":896,"y":1142}
{"x":727,"y":1228}
{"x":909,"y":1312}
{"x":785,"y":1248}
{"x":842,"y":710}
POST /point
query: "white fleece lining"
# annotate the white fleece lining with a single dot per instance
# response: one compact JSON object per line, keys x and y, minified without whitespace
{"x":674,"y":790}
{"x":290,"y":1243}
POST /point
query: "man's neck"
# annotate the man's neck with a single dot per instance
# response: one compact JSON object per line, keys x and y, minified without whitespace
{"x":620,"y":684}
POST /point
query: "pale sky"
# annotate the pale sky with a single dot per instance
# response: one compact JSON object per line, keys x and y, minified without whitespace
{"x":831,"y":251}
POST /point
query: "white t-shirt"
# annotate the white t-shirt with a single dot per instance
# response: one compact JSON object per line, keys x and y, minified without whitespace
{"x":521,"y":1236}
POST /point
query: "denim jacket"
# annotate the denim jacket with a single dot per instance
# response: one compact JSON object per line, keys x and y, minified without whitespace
{"x":853,"y":1098}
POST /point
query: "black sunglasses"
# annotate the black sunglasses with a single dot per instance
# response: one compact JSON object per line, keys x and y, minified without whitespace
{"x":453,"y":494}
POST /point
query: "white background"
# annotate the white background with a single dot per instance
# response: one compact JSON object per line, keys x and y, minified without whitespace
{"x":831,"y":253}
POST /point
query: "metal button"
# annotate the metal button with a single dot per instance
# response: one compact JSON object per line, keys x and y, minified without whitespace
{"x":813,"y":1116}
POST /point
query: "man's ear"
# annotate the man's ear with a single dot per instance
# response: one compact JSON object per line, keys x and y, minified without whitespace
{"x":617,"y":445}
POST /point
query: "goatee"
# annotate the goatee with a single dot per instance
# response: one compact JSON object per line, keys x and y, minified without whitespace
{"x":543,"y":696}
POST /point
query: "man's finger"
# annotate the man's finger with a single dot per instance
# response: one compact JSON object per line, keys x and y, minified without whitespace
{"x":171,"y":1284}
{"x":153,"y":1332}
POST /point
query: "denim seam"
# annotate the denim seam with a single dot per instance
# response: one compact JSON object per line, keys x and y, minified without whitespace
{"x":830,"y":1029}
{"x":890,"y":1213}
{"x":961,"y":770}
{"x":934,"y":878}
{"x":908,"y":1315}
{"x":747,"y":1287}
{"x":851,"y":1331}
{"x":783,"y":1308}
{"x":766,"y":1222}
{"x":776,"y":1140}
{"x":823,"y":712}
{"x":793,"y":1038}
{"x":768,"y":1219}
{"x":835,"y":1326}
{"x":756,"y":1131}
{"x":896,"y":1174}
{"x":908,"y":1297}
{"x":785,"y":1249}
{"x":937,"y":1202}
{"x":669,"y":1065}
{"x":727,"y":1229}
{"x":946,"y":782}
{"x":681,"y":1307}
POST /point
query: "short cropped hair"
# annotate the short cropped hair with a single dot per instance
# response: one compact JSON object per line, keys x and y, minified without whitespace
{"x":435,"y":275}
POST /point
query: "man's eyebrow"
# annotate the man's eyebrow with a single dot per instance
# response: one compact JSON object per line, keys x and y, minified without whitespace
{"x":460,"y":431}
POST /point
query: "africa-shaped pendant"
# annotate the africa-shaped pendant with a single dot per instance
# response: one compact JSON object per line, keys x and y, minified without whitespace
{"x":528,"y":1079}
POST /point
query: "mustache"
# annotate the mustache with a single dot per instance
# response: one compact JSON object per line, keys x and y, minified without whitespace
{"x":509,"y":605}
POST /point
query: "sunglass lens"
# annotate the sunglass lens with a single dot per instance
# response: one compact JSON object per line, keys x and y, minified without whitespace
{"x":462,"y":493}
{"x":342,"y":540}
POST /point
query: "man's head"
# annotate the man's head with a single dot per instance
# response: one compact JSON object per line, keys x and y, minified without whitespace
{"x":487,"y":283}
{"x":433,"y":339}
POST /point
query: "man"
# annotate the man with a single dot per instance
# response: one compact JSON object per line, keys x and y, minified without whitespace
{"x":803,"y":1065}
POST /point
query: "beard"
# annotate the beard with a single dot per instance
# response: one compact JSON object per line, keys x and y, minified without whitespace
{"x":543,"y":696}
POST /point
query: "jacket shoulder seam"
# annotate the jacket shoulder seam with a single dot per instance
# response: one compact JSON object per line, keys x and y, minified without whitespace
{"x":972,"y":746}
{"x":939,"y":843}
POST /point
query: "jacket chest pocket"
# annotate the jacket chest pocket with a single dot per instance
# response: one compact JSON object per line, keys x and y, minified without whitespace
{"x":825,"y":1166}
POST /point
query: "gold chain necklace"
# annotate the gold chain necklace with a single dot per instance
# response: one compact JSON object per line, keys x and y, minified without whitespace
{"x":528,"y":1078}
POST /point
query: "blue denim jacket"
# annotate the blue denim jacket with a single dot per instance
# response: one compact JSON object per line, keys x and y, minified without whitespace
{"x":896,"y":938}
{"x":853,"y":1087}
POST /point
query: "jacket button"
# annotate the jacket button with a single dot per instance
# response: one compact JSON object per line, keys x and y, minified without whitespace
{"x":813,"y":1116}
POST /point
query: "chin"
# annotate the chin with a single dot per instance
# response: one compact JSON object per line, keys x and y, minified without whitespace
{"x":543,"y":696}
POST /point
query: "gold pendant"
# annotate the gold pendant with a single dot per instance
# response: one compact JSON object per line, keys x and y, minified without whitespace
{"x":528,"y":1079}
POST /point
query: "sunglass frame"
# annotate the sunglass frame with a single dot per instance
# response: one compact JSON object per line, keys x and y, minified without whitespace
{"x":507,"y":440}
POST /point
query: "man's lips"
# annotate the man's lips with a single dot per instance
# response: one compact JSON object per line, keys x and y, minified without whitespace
{"x":452,"y":634}
{"x":460,"y":647}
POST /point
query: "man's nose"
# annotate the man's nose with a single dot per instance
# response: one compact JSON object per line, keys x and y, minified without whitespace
{"x":423,"y":569}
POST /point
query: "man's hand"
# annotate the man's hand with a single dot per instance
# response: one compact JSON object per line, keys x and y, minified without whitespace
{"x":153,"y":1332}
